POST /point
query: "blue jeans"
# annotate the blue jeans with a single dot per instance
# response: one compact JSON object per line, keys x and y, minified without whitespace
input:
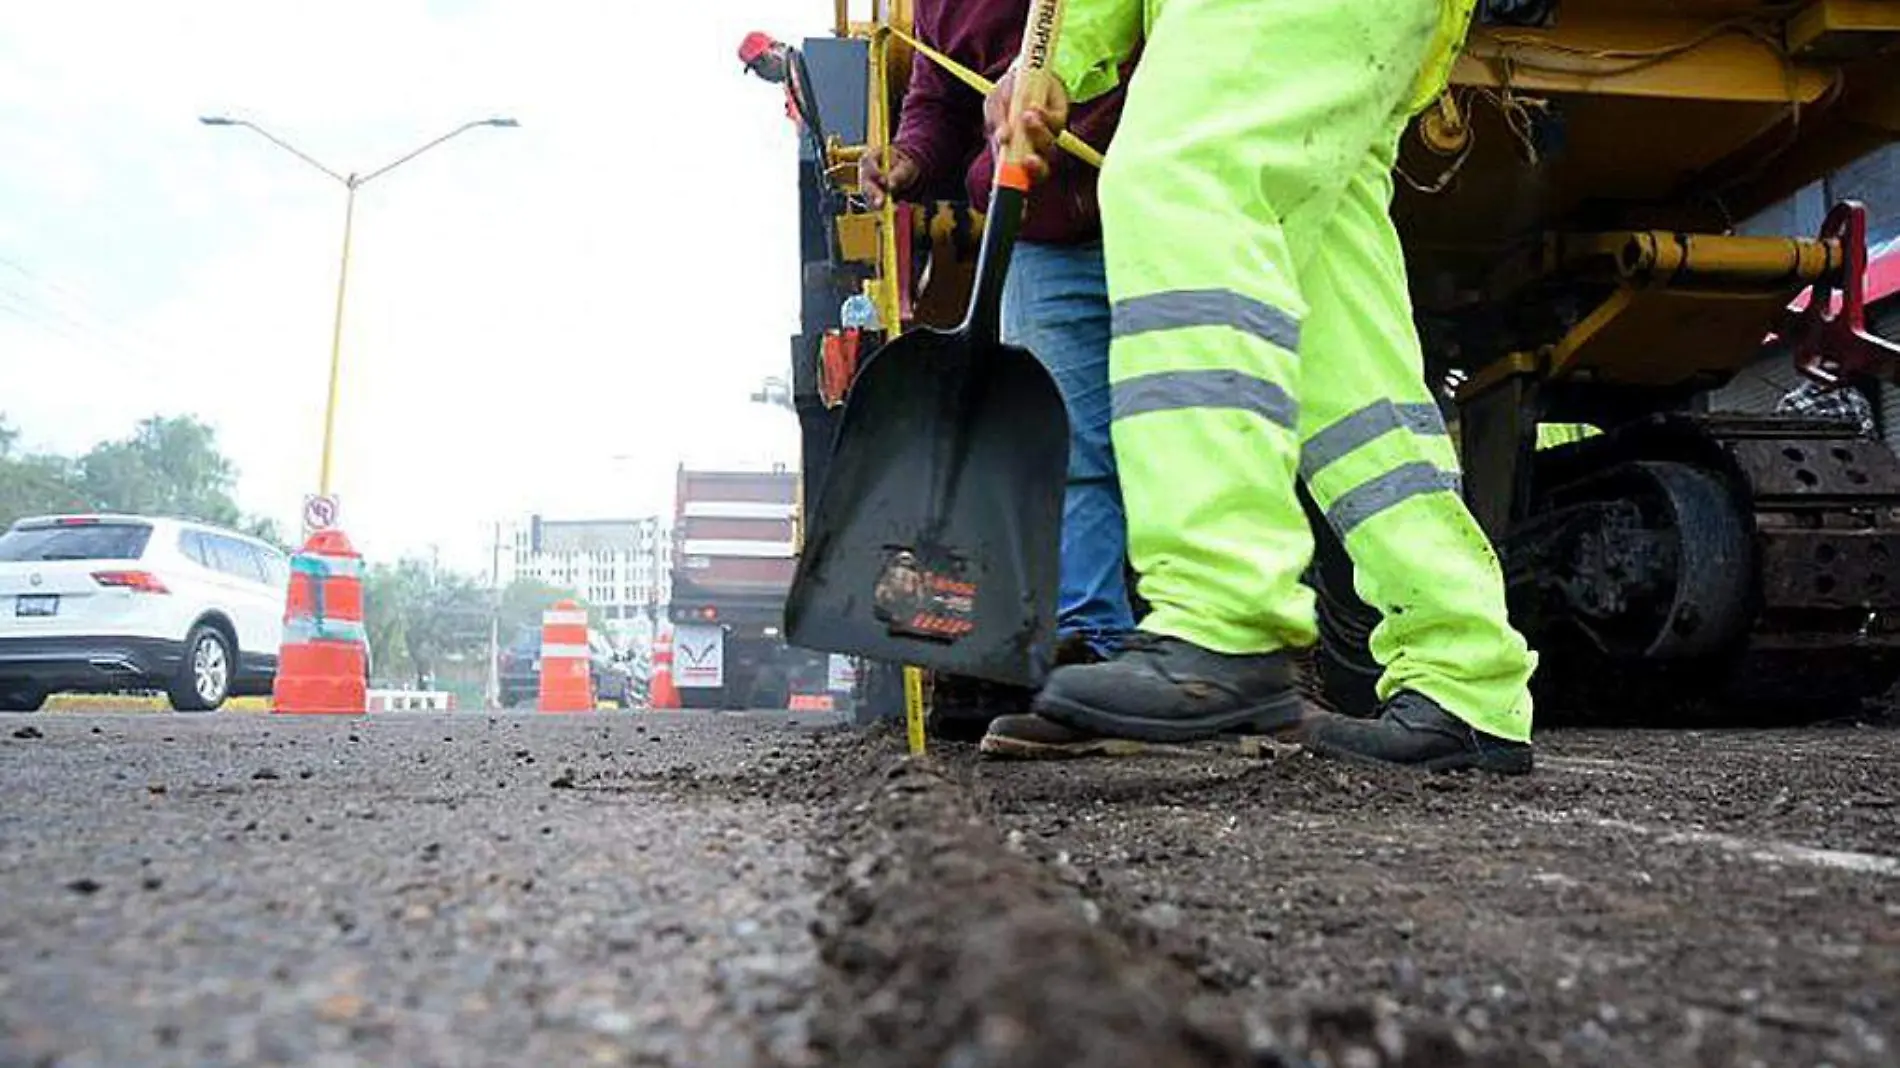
{"x":1055,"y":304}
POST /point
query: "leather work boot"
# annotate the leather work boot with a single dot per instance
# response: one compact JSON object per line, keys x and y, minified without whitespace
{"x":1159,"y":689}
{"x":1032,"y":737}
{"x":962,"y":709}
{"x":1413,"y":731}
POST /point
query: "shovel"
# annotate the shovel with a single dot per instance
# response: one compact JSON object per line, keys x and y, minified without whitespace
{"x":936,"y":536}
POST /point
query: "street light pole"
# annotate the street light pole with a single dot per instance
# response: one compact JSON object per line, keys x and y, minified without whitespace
{"x":336,"y":339}
{"x":351,"y":183}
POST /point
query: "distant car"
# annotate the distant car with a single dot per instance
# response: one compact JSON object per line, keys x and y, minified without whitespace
{"x":112,"y":603}
{"x":520,"y":671}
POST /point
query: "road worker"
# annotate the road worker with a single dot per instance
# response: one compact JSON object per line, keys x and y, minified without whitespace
{"x":1055,"y":304}
{"x":1262,"y":333}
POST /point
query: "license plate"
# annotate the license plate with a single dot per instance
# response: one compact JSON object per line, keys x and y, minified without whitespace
{"x":37,"y":604}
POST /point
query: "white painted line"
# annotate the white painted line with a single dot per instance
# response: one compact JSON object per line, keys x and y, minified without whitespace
{"x":1760,"y":850}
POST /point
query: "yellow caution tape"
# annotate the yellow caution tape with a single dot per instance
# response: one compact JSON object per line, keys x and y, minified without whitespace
{"x":1067,"y":141}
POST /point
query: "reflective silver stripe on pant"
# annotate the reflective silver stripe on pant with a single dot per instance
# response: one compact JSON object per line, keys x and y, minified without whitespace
{"x":1168,"y":391}
{"x":1180,"y":309}
{"x":1365,"y":425}
{"x":1389,"y":490}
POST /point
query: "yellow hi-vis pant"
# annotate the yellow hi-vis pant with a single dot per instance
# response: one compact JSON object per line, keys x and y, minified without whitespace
{"x":1262,"y":329}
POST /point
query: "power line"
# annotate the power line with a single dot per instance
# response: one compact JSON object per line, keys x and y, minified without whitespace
{"x":114,"y":329}
{"x":33,"y":313}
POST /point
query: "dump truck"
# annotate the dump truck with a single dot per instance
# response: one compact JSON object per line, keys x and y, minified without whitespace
{"x":1643,"y":288}
{"x":733,"y":539}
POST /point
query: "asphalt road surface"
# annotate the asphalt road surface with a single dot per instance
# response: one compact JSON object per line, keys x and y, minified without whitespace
{"x":744,"y":890}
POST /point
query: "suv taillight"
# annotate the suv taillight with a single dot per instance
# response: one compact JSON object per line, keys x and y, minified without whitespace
{"x":136,"y":581}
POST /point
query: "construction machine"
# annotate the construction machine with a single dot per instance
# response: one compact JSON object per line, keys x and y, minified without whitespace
{"x":1608,"y":256}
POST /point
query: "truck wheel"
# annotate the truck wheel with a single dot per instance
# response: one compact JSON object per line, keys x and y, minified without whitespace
{"x":204,"y":677}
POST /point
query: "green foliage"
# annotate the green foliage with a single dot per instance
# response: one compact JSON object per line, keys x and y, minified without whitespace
{"x":524,"y":599}
{"x":419,"y":615}
{"x":169,"y":465}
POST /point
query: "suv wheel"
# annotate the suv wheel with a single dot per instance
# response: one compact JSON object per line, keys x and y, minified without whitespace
{"x":22,"y":699}
{"x":204,"y":679}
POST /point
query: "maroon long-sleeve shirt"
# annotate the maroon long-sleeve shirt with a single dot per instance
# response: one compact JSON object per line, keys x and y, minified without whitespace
{"x":941,"y":125}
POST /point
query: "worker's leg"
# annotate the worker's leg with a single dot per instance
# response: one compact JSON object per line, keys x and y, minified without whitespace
{"x":1383,"y":471}
{"x":1055,"y":304}
{"x":1239,"y":114}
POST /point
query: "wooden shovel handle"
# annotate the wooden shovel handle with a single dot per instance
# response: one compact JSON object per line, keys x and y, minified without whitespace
{"x":1038,"y":53}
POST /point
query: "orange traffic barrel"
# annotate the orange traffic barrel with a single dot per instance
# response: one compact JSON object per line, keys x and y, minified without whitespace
{"x":566,"y":675}
{"x":811,"y":702}
{"x":323,"y":664}
{"x":661,"y":692}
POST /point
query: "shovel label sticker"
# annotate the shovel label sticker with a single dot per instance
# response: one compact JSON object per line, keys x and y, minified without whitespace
{"x":931,"y":601}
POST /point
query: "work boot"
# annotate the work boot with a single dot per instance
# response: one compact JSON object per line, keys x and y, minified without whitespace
{"x":962,"y":708}
{"x":1032,"y":737}
{"x":1159,"y":689}
{"x":1413,"y":731}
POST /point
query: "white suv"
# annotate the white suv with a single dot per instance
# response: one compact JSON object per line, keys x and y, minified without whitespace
{"x":109,"y":603}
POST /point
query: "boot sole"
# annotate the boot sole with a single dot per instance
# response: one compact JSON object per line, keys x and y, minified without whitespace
{"x":1272,"y":718}
{"x":1519,"y":762}
{"x":1005,"y":748}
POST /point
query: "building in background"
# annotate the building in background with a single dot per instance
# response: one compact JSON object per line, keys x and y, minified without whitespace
{"x":622,"y":567}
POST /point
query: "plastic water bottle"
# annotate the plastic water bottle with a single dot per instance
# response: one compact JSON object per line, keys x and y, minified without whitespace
{"x":859,"y":312}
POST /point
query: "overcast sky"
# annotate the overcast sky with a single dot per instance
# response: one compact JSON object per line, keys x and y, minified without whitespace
{"x":550,"y":317}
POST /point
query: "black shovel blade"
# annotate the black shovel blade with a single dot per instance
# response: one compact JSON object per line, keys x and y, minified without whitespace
{"x":936,"y":537}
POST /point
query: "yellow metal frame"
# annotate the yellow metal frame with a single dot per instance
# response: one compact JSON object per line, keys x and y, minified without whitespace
{"x":882,"y":288}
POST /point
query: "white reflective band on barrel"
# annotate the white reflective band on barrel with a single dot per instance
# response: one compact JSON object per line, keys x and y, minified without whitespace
{"x":318,"y":566}
{"x":564,"y":619}
{"x":564,"y":652}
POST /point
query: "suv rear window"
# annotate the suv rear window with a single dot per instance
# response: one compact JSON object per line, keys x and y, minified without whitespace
{"x":89,"y":541}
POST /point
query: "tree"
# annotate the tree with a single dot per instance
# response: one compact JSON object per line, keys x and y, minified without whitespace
{"x":34,"y":484}
{"x":169,"y":466}
{"x":523,"y":601}
{"x":417,"y":614}
{"x":385,"y":608}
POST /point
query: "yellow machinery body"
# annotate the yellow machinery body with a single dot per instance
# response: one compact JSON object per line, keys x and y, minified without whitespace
{"x":1573,"y":208}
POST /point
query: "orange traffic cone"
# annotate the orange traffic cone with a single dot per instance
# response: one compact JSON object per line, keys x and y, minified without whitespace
{"x":323,"y":663}
{"x":661,"y":693}
{"x":566,"y":675}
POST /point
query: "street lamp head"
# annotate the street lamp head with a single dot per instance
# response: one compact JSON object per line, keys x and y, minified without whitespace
{"x":217,"y":120}
{"x":507,"y":124}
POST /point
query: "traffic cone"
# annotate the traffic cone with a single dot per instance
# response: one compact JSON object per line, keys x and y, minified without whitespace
{"x":323,"y":662}
{"x":566,"y":676}
{"x":661,"y":693}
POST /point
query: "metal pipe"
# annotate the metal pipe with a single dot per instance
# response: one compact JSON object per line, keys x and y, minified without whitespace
{"x":1701,"y":261}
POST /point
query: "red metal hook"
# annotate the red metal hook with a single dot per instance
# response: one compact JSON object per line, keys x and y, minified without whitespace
{"x":1827,"y":332}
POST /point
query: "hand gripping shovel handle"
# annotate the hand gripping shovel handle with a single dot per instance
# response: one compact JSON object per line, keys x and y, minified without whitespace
{"x":1010,"y":190}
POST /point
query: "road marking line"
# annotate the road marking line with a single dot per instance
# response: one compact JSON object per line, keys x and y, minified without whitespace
{"x":1761,"y":850}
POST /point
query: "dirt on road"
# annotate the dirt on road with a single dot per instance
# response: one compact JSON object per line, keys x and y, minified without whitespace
{"x":717,"y":890}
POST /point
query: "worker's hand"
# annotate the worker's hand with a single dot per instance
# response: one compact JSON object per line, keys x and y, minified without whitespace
{"x":877,"y":183}
{"x":1045,"y":114}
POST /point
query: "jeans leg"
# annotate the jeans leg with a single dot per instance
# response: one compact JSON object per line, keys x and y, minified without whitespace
{"x":1055,"y":304}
